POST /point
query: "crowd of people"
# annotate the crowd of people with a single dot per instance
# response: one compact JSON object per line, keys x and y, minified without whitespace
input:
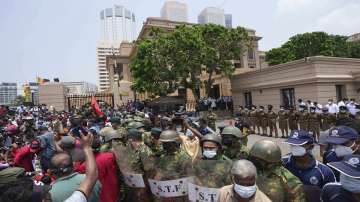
{"x":221,"y":103}
{"x":98,"y":153}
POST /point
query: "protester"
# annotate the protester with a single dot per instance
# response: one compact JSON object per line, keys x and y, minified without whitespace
{"x":244,"y":184}
{"x":24,"y":156}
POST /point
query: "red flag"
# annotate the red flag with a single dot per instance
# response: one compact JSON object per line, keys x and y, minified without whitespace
{"x":96,"y":107}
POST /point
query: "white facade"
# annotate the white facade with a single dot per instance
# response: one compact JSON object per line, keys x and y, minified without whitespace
{"x":104,"y":49}
{"x":174,"y":11}
{"x":117,"y":24}
{"x":212,"y":15}
{"x":80,"y":87}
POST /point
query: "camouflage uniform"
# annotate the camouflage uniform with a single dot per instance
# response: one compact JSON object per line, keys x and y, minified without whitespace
{"x":271,"y":122}
{"x":327,"y":120}
{"x":283,"y":122}
{"x":342,"y":115}
{"x":212,"y":117}
{"x":236,"y":152}
{"x":153,"y":144}
{"x":303,"y":120}
{"x":212,"y":173}
{"x":279,"y":185}
{"x":263,"y":121}
{"x":293,"y":120}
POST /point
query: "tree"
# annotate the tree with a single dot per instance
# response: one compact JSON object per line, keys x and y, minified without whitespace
{"x":19,"y":100}
{"x":310,"y":44}
{"x":170,"y":60}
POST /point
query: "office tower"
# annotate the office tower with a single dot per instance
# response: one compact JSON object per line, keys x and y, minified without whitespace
{"x":8,"y":93}
{"x":212,"y":15}
{"x":174,"y":11}
{"x":228,"y":20}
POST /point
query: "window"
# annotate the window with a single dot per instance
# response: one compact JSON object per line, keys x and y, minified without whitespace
{"x":340,"y":92}
{"x":237,"y":65}
{"x":251,"y":54}
{"x":248,"y":99}
{"x":288,"y":97}
{"x":252,"y":67}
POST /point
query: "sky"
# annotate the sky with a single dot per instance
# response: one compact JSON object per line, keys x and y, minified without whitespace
{"x":57,"y":38}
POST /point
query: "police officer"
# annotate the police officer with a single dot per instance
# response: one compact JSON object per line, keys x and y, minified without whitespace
{"x":271,"y":121}
{"x":314,"y":123}
{"x":303,"y":117}
{"x":283,"y":121}
{"x":344,"y":141}
{"x":327,"y":120}
{"x":253,"y":120}
{"x":343,"y":113}
{"x":293,"y":119}
{"x":349,"y":187}
{"x":275,"y":181}
{"x":302,"y":163}
{"x":151,"y":139}
{"x":115,"y":122}
{"x":212,"y":117}
{"x":262,"y":121}
{"x":233,"y":142}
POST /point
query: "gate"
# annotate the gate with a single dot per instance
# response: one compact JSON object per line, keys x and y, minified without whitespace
{"x":76,"y":100}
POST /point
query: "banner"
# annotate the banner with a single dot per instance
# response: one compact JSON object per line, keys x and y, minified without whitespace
{"x":170,"y":188}
{"x":134,"y":180}
{"x":202,"y":194}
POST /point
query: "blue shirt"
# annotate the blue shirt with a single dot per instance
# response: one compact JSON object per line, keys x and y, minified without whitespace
{"x":334,"y":192}
{"x":330,"y":156}
{"x":316,"y":174}
{"x":205,"y":131}
{"x":47,"y":144}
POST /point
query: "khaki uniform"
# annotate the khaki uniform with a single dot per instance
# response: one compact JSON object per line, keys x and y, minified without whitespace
{"x":283,"y":122}
{"x":263,"y":121}
{"x":252,"y":119}
{"x":212,"y":117}
{"x":303,"y":120}
{"x":227,"y":194}
{"x":314,"y":124}
{"x":327,"y":120}
{"x":280,"y":185}
{"x":271,"y":117}
{"x":343,"y":115}
{"x":293,"y":120}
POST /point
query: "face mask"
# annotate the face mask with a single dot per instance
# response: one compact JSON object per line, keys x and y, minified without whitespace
{"x":189,"y":133}
{"x":209,"y":153}
{"x":329,"y":103}
{"x":350,"y":184}
{"x":341,"y":150}
{"x":301,"y":109}
{"x":281,"y":109}
{"x":297,"y":150}
{"x":312,"y":111}
{"x":245,"y":191}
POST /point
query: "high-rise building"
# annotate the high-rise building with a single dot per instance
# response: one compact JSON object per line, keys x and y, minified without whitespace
{"x":8,"y":93}
{"x":212,"y":15}
{"x":117,"y":25}
{"x":174,"y":11}
{"x":228,"y":20}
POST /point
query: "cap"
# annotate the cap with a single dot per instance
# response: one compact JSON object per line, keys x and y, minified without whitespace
{"x":349,"y":166}
{"x":299,"y":137}
{"x":67,"y":142}
{"x":115,"y":120}
{"x":341,"y":134}
{"x":34,"y":145}
{"x":156,"y":131}
{"x":134,"y":133}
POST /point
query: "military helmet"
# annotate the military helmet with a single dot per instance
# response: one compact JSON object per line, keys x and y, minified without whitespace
{"x":105,"y":131}
{"x":232,"y":130}
{"x":169,"y":136}
{"x":135,"y":125}
{"x":266,"y":150}
{"x":211,"y":137}
{"x":114,"y":134}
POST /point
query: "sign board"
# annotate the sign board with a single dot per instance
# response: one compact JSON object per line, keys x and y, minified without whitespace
{"x":202,"y":194}
{"x":170,"y":188}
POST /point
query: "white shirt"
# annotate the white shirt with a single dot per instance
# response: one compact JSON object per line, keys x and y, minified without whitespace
{"x":341,"y":103}
{"x":333,"y":108}
{"x":352,"y":108}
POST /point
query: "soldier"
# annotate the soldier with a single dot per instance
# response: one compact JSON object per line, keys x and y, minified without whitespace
{"x":253,"y":120}
{"x":213,"y":167}
{"x":273,"y":179}
{"x":261,"y":116}
{"x":212,"y":117}
{"x":234,"y":143}
{"x":283,"y":122}
{"x":327,"y":120}
{"x":314,"y":123}
{"x":303,"y":117}
{"x":293,"y":119}
{"x":271,"y":117}
{"x":151,"y":139}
